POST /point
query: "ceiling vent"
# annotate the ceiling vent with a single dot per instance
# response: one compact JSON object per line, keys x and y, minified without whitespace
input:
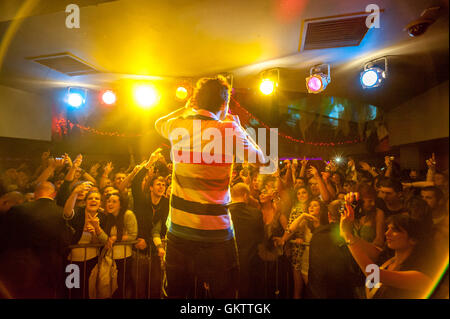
{"x":66,"y":63}
{"x":333,"y":32}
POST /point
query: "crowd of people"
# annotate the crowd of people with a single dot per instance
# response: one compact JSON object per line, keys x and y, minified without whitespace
{"x":308,"y":231}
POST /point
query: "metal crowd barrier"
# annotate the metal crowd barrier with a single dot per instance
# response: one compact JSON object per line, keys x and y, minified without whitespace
{"x":137,"y":256}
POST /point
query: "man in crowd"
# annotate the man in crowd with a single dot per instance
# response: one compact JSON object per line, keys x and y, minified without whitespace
{"x":35,"y":236}
{"x":332,"y":272}
{"x":152,"y":229}
{"x":249,"y":231}
{"x":390,"y":197}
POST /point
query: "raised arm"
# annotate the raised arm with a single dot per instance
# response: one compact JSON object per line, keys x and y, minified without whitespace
{"x":327,"y":181}
{"x":53,"y":164}
{"x":411,"y":280}
{"x":70,"y":202}
{"x":431,"y":163}
{"x":351,"y":170}
{"x":127,"y":181}
{"x":388,"y":163}
{"x":322,"y":187}
{"x":366,"y":167}
{"x":303,"y":163}
{"x":107,"y":170}
{"x":160,"y":123}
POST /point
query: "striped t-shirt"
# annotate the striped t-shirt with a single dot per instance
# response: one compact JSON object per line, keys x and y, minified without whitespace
{"x":202,"y":174}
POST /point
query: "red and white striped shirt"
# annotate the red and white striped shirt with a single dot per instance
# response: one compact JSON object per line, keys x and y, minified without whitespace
{"x":203,"y":148}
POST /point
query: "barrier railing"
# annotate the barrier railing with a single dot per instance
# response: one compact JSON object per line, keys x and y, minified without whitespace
{"x":140,"y":261}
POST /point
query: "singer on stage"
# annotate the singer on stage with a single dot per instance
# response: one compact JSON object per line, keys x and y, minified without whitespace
{"x":200,"y":237}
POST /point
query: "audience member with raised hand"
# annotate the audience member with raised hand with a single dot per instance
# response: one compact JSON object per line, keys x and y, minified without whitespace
{"x":367,"y":168}
{"x":104,"y":179}
{"x":303,"y":163}
{"x":317,"y":186}
{"x":389,"y":225}
{"x":408,"y":273}
{"x":88,"y":227}
{"x":300,"y":207}
{"x":70,"y":180}
{"x":303,"y":226}
{"x":49,"y":171}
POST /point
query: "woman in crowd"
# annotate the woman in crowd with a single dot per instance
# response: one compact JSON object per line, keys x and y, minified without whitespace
{"x":300,"y":207}
{"x":338,"y":182}
{"x":369,"y":220}
{"x":87,"y":225}
{"x":274,"y":223}
{"x":304,"y":225}
{"x":120,"y":225}
{"x":408,"y":273}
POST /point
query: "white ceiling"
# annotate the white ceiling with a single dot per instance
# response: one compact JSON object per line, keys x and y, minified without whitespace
{"x":191,"y":38}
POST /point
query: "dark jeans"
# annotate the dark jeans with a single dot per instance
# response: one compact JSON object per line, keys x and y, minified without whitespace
{"x":190,"y":264}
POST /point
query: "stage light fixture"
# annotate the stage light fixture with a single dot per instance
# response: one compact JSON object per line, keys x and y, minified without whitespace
{"x":181,"y":93}
{"x":267,"y":86}
{"x":76,"y":97}
{"x":269,"y":81}
{"x":317,"y":80}
{"x":373,"y":74}
{"x":109,"y":97}
{"x":146,"y":96}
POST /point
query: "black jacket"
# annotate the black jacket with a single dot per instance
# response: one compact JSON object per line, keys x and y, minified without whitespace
{"x":146,"y":215}
{"x":37,"y":225}
{"x":34,"y":237}
{"x":333,"y":273}
{"x":248,"y":227}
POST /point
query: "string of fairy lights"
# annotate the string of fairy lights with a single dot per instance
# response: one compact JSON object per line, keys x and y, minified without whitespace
{"x":62,"y":126}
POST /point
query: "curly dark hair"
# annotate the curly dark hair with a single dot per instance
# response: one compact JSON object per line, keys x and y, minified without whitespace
{"x":211,"y":93}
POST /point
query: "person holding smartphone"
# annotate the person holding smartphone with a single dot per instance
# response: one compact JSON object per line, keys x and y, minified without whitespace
{"x":407,"y":274}
{"x":88,"y":227}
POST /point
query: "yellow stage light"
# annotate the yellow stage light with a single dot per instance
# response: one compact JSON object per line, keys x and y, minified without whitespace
{"x":181,"y":93}
{"x":267,"y":86}
{"x":146,"y":96}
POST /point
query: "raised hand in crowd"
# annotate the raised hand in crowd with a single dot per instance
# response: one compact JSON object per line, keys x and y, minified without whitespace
{"x":303,"y":163}
{"x":431,"y":162}
{"x":44,"y":158}
{"x":105,"y":176}
{"x":93,"y":171}
{"x":154,"y":157}
{"x":388,"y":162}
{"x":77,"y":192}
{"x":366,"y":167}
{"x":313,"y":171}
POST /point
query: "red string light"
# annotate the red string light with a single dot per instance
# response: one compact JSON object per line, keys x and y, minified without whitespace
{"x":250,"y":115}
{"x":61,"y":128}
